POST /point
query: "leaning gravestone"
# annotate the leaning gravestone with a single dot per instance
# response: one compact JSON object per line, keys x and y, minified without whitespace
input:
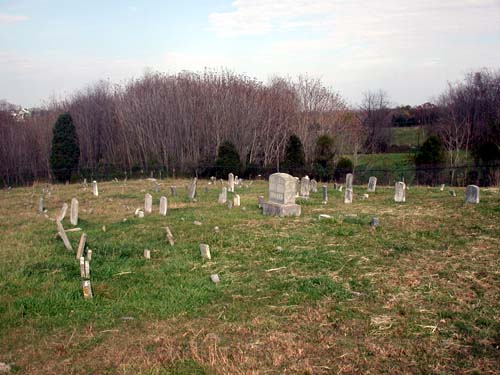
{"x":95,"y":191}
{"x":400,"y":192}
{"x":305,"y":186}
{"x":62,"y":214}
{"x":230,"y":183}
{"x":73,"y":217}
{"x":223,"y":196}
{"x":372,"y":184}
{"x":472,"y":194}
{"x":281,"y":202}
{"x":192,"y":188}
{"x":148,"y":203}
{"x":163,"y":206}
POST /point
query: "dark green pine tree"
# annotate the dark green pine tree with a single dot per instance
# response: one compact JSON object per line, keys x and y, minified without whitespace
{"x":294,"y":155}
{"x":228,"y":160}
{"x":65,"y":151}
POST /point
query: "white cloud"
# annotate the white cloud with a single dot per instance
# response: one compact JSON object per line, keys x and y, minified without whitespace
{"x":11,"y":18}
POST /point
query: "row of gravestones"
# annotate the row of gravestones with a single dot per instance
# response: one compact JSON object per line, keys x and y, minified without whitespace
{"x":283,"y":192}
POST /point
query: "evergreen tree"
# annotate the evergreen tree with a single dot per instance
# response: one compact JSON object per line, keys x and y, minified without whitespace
{"x":344,"y":166}
{"x":228,"y":160}
{"x":65,"y":151}
{"x":431,"y":153}
{"x":294,"y":154}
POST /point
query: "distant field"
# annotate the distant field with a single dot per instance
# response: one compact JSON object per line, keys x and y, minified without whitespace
{"x":408,"y":136}
{"x":419,"y":294}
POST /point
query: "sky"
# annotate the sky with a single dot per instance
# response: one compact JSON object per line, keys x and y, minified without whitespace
{"x":49,"y":49}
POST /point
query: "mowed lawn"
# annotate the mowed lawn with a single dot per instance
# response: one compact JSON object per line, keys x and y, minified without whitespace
{"x":418,"y":294}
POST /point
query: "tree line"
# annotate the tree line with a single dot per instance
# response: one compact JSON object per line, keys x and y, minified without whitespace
{"x":177,"y":123}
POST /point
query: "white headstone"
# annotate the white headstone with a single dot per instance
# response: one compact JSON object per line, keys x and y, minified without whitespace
{"x":236,"y":200}
{"x":400,"y":192}
{"x":230,"y":183}
{"x":87,"y":289}
{"x":74,"y":212}
{"x":163,"y":206}
{"x":223,"y":196}
{"x":348,"y":181}
{"x":325,"y":194}
{"x":372,"y":184}
{"x":192,"y":188}
{"x":472,"y":194}
{"x":348,"y":195}
{"x":147,"y":254}
{"x":314,"y":186}
{"x":205,"y":251}
{"x":305,"y":186}
{"x":95,"y":190}
{"x":148,"y":203}
{"x":62,"y":214}
{"x":282,"y":188}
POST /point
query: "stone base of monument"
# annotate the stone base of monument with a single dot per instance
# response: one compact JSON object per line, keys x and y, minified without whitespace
{"x":277,"y":209}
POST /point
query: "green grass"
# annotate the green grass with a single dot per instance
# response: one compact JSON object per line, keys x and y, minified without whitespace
{"x":296,"y":294}
{"x":408,"y":136}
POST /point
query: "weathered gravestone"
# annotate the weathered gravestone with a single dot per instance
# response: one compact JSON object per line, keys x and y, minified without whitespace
{"x":148,"y":203}
{"x":73,"y":218}
{"x":314,"y":186}
{"x":348,"y":196}
{"x":236,"y":200}
{"x":441,"y":188}
{"x":192,"y":188}
{"x":62,"y":214}
{"x":95,"y":191}
{"x":325,"y":194}
{"x":297,"y":186}
{"x":372,"y":184}
{"x":230,"y":183}
{"x":205,"y":251}
{"x":163,"y":206}
{"x":400,"y":192}
{"x":40,"y":205}
{"x":223,"y":196}
{"x":348,"y":181}
{"x":261,"y":201}
{"x":173,"y":190}
{"x":281,"y":202}
{"x":305,"y":186}
{"x":472,"y":194}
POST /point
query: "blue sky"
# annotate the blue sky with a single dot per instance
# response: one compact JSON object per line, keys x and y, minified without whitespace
{"x":411,"y":49}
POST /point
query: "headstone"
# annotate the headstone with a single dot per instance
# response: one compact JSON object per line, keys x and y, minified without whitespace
{"x":213,"y":179}
{"x":89,"y":255}
{"x":148,"y":203}
{"x":63,"y":235}
{"x":305,"y":186}
{"x":230,"y":183}
{"x":236,"y":200}
{"x":348,"y":196}
{"x":156,"y":187}
{"x":472,"y":194}
{"x":205,"y":251}
{"x":62,"y":214}
{"x":348,"y":181}
{"x":223,"y":196}
{"x":192,"y":188}
{"x":82,"y":267}
{"x":340,"y":187}
{"x":365,"y":196}
{"x":324,"y":217}
{"x":87,"y":269}
{"x":261,"y":201}
{"x":282,"y":189}
{"x":314,"y":186}
{"x":297,"y":187}
{"x":372,"y":184}
{"x":206,"y":189}
{"x":173,"y":190}
{"x":215,"y":278}
{"x":40,"y":205}
{"x":452,"y":193}
{"x":81,"y":246}
{"x":400,"y":192}
{"x":73,"y":218}
{"x":140,"y":214}
{"x":230,"y":204}
{"x":170,"y":237}
{"x":374,"y":222}
{"x":441,"y":188}
{"x":95,"y":191}
{"x":325,"y":194}
{"x":163,"y":206}
{"x":87,"y":289}
{"x":196,"y":222}
{"x":147,"y":254}
{"x":335,"y":187}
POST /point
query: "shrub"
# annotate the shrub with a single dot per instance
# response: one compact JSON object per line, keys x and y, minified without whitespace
{"x":228,"y":160}
{"x":65,"y":152}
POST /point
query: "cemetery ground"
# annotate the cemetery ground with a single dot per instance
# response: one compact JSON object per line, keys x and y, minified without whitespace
{"x":418,"y":294}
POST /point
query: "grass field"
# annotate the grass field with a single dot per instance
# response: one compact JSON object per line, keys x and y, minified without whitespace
{"x":408,"y":136}
{"x":419,"y":294}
